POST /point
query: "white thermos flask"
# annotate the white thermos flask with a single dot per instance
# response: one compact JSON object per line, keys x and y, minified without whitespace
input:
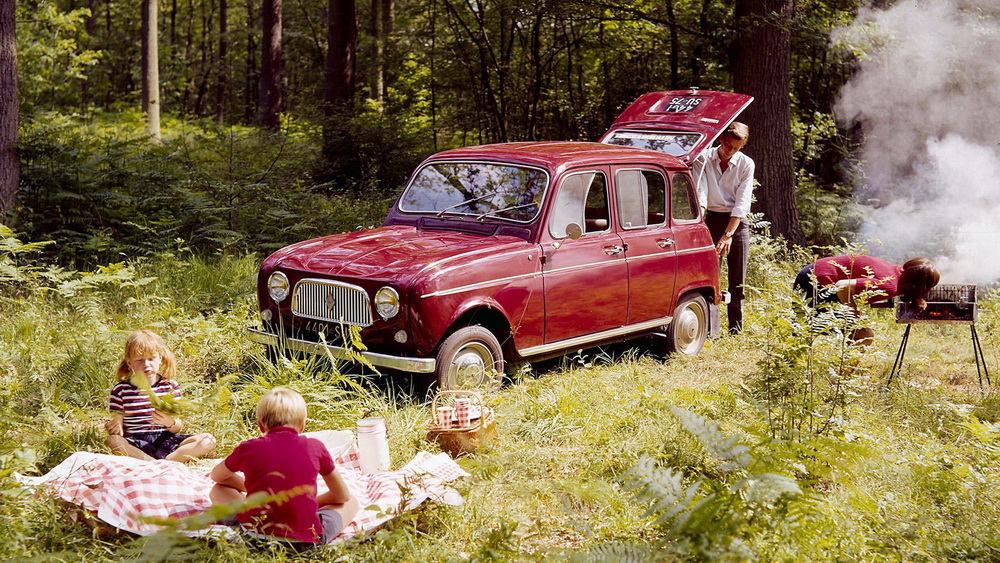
{"x":373,"y":445}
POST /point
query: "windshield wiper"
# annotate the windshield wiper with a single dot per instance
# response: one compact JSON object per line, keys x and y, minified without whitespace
{"x":468,"y":201}
{"x":508,"y":208}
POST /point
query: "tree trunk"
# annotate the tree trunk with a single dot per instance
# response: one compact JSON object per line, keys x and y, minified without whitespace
{"x":675,"y":47}
{"x":762,"y":69}
{"x":150,"y":68}
{"x":378,"y":50}
{"x":270,"y":65}
{"x":10,"y":168}
{"x":222,"y":79}
{"x":341,"y":55}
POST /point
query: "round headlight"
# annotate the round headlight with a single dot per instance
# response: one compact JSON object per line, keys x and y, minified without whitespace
{"x":387,"y":302}
{"x":277,"y":286}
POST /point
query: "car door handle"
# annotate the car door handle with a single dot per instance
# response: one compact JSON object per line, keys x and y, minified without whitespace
{"x":613,"y":250}
{"x":664,"y":242}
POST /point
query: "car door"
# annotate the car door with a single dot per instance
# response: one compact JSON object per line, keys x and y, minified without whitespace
{"x":697,"y":261}
{"x":585,"y":279}
{"x":641,"y":201}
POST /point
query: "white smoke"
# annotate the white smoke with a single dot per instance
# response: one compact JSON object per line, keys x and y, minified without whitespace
{"x":928,"y":99}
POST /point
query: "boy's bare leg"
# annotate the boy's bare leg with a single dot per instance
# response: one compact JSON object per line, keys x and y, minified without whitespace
{"x":121,"y":446}
{"x":224,"y":494}
{"x":347,"y":510}
{"x":193,"y":447}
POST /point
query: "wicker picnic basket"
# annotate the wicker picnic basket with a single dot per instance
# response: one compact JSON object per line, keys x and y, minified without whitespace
{"x":457,"y":440}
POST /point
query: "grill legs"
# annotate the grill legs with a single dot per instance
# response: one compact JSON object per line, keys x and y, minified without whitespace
{"x":977,"y":351}
{"x":900,"y":353}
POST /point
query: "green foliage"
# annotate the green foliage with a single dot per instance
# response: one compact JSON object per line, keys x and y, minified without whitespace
{"x":810,"y":372}
{"x":51,"y":61}
{"x":707,"y":519}
{"x":104,"y":191}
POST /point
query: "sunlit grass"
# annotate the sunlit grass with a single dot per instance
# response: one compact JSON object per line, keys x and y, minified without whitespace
{"x":909,"y":482}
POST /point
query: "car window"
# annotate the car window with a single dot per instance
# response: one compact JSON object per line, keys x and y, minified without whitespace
{"x":582,"y":199}
{"x":669,"y":142}
{"x":476,"y":188}
{"x":641,"y":198}
{"x":683,"y":199}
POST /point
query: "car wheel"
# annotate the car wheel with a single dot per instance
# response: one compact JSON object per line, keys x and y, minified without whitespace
{"x":470,"y":358}
{"x":688,"y":330}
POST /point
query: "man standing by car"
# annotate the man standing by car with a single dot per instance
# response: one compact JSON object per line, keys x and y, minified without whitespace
{"x":725,"y":190}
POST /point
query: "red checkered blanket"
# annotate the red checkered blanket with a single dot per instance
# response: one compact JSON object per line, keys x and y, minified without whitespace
{"x":122,"y":491}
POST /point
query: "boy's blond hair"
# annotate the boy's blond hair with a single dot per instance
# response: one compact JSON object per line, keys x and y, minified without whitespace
{"x":281,"y":407}
{"x":141,"y":343}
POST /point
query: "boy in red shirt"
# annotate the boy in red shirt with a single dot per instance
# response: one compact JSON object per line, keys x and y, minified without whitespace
{"x":281,"y":461}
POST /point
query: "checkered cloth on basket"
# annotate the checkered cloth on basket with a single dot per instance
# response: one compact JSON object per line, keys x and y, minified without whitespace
{"x":123,"y":490}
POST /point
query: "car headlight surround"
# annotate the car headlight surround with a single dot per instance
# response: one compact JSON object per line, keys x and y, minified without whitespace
{"x":387,"y":302}
{"x":278,"y":286}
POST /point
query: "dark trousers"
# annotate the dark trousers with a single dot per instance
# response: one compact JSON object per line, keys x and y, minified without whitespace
{"x":736,"y":261}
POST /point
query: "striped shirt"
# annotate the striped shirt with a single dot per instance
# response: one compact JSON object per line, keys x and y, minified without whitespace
{"x":135,"y":407}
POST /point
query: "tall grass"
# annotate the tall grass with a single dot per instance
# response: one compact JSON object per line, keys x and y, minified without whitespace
{"x":587,"y":450}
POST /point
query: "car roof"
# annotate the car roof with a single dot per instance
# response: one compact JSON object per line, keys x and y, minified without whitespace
{"x":559,"y":154}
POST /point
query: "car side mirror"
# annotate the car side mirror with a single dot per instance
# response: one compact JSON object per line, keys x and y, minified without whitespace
{"x":573,"y":232}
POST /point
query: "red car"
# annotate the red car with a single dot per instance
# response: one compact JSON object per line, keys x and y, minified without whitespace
{"x":518,"y":251}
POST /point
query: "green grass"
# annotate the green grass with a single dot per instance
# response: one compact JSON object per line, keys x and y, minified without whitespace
{"x":894,"y":475}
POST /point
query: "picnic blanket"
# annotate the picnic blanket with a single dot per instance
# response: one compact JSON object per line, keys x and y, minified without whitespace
{"x":122,"y":490}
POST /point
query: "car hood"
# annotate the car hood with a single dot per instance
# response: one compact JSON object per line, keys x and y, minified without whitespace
{"x":389,"y":252}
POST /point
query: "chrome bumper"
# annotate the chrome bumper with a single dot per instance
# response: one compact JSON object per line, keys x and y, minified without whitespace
{"x":412,"y":365}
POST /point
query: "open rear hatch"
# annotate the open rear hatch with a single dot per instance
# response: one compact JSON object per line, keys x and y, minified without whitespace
{"x":681,"y":123}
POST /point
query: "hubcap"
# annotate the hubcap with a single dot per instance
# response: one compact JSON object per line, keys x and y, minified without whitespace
{"x":690,"y":323}
{"x":471,"y":366}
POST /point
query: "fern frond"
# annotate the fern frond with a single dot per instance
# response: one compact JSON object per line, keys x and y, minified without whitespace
{"x":619,"y":552}
{"x":725,"y":448}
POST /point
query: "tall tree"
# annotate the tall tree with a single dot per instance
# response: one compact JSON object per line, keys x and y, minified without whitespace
{"x":222,"y":78}
{"x":341,"y":55}
{"x":10,"y":171}
{"x":271,"y":101}
{"x":151,"y":67}
{"x":762,"y":68}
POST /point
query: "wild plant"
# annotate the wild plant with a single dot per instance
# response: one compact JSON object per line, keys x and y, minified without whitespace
{"x":704,"y":517}
{"x":811,"y":370}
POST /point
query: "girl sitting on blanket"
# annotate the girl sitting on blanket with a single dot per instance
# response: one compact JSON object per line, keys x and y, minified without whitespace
{"x":139,"y":426}
{"x":282,"y":462}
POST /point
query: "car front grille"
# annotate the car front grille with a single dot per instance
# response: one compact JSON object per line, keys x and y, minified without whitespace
{"x":331,"y":301}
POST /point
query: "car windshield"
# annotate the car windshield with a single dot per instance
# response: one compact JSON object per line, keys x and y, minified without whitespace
{"x":669,"y":142}
{"x":479,"y":189}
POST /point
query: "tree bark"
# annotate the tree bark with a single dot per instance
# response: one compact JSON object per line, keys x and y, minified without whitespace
{"x":150,"y":68}
{"x":271,"y":101}
{"x":378,"y":50}
{"x":341,"y":55}
{"x":10,"y":166}
{"x":762,"y":69}
{"x":222,"y":79}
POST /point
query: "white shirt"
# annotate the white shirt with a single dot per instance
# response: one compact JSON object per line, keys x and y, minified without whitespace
{"x":726,"y":192}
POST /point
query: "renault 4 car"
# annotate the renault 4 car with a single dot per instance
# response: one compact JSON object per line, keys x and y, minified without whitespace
{"x":517,"y":252}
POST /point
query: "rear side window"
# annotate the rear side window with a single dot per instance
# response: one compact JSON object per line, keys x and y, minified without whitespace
{"x":641,"y":198}
{"x":683,"y":199}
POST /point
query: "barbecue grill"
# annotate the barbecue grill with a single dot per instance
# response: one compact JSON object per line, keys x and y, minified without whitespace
{"x":946,"y":303}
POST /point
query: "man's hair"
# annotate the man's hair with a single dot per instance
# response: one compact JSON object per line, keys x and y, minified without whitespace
{"x":281,"y":407}
{"x":919,"y":276}
{"x":738,"y":131}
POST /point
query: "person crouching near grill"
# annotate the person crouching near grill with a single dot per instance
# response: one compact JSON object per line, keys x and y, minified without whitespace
{"x":844,"y":279}
{"x":283,"y":461}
